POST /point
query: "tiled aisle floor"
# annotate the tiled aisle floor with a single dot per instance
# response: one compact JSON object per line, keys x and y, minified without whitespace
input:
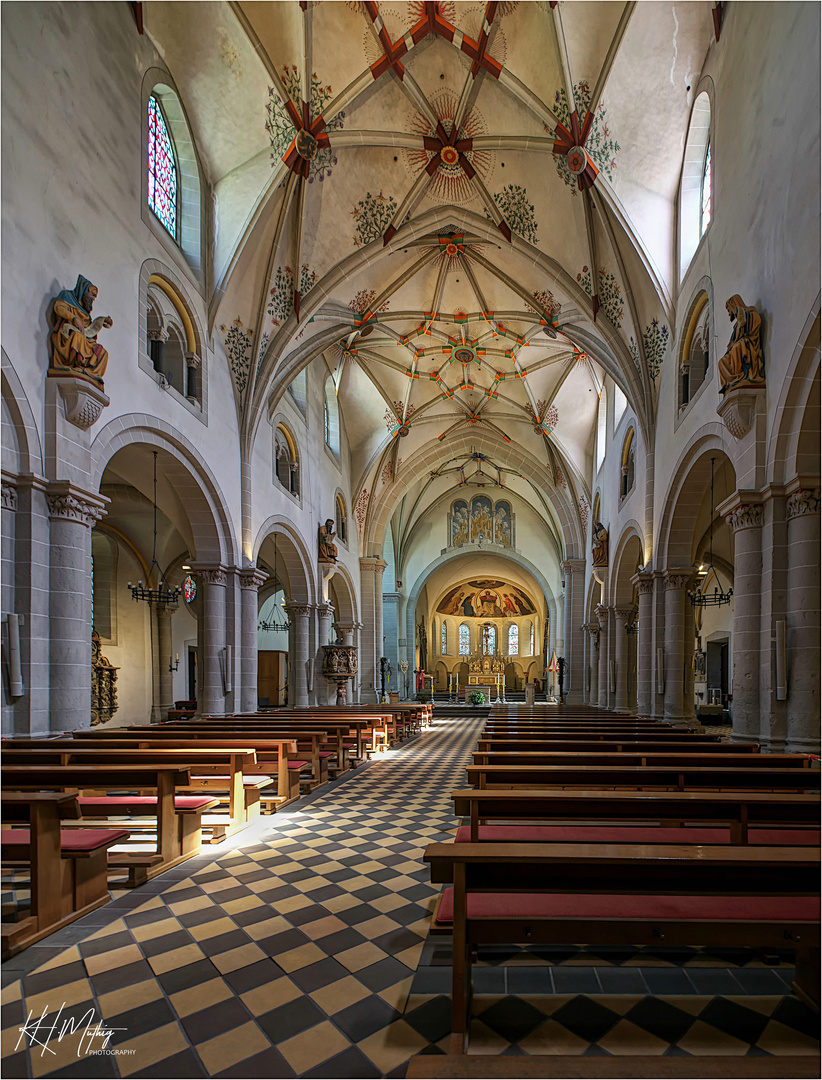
{"x":291,"y":950}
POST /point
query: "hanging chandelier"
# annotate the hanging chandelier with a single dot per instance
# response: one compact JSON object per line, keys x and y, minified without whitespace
{"x":163,"y":594}
{"x":279,"y":621}
{"x":700,"y":597}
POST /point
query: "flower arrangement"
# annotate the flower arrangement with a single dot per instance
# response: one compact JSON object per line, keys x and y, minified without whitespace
{"x":477,"y":697}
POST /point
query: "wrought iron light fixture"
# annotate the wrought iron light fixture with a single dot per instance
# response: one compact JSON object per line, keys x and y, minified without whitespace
{"x":275,"y":625}
{"x":700,"y":597}
{"x":163,"y":594}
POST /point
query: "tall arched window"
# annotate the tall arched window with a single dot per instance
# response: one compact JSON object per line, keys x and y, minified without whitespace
{"x":530,"y":639}
{"x":513,"y":640}
{"x":331,"y":417}
{"x":620,"y":405}
{"x":342,"y":519}
{"x":705,"y":193}
{"x":444,"y":639}
{"x":464,"y":639}
{"x":626,"y":482}
{"x":695,"y":194}
{"x":602,"y":416}
{"x":162,"y":168}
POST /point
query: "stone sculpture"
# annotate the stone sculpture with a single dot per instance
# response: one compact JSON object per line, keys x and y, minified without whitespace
{"x":599,"y":546}
{"x":743,"y":363}
{"x":325,"y":542}
{"x":74,"y":346}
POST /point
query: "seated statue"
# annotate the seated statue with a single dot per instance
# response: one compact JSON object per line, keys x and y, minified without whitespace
{"x":599,"y":546}
{"x":74,"y":337}
{"x":327,"y":547}
{"x":743,"y":363}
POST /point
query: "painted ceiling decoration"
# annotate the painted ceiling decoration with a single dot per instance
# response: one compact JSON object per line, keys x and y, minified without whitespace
{"x":476,"y":161}
{"x":486,"y":598}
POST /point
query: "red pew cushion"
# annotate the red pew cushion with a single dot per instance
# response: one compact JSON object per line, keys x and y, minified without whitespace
{"x":114,"y":802}
{"x":70,"y":839}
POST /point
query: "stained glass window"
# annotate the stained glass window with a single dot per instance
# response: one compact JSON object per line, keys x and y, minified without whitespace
{"x":705,"y":203}
{"x":162,"y":169}
{"x":465,"y":639}
{"x":490,"y":640}
{"x":531,"y":640}
{"x":513,"y":640}
{"x":444,"y":639}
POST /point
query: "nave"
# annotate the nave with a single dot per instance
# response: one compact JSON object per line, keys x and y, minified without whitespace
{"x":299,"y":948}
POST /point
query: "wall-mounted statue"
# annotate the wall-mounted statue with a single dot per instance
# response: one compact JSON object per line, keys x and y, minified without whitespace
{"x":74,"y":346}
{"x":743,"y":363}
{"x":599,"y":545}
{"x":327,"y":549}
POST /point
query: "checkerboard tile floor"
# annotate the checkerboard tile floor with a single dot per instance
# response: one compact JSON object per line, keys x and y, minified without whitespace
{"x":300,"y":948}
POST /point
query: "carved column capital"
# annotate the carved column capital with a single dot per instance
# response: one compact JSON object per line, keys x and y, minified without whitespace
{"x":69,"y":503}
{"x":376,"y":566}
{"x":679,"y":578}
{"x":574,"y":566}
{"x":192,"y":360}
{"x":644,"y":584}
{"x":252,"y":577}
{"x":745,"y":516}
{"x":621,"y":613}
{"x":298,"y":610}
{"x":801,"y":502}
{"x":157,"y":333}
{"x":211,"y":573}
{"x":602,"y":613}
{"x":325,"y":611}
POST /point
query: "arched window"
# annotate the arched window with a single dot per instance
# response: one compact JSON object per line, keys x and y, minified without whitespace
{"x":530,"y":639}
{"x":342,"y":519}
{"x":695,"y":361}
{"x":171,"y":341}
{"x":331,"y":417}
{"x":444,"y":639}
{"x":602,"y":416}
{"x":696,"y":188}
{"x":620,"y":405}
{"x":626,"y":480}
{"x":162,"y":168}
{"x":513,"y":640}
{"x":286,"y":460}
{"x":464,"y":639}
{"x":490,"y":638}
{"x":298,"y":390}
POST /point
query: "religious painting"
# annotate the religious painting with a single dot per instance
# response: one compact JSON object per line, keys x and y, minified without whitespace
{"x":481,"y":519}
{"x":502,"y":524}
{"x":486,"y":598}
{"x":459,"y":524}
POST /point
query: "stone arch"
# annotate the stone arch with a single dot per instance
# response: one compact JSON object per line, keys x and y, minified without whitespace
{"x":690,"y":481}
{"x":625,"y":558}
{"x":346,"y":594}
{"x":797,"y":409}
{"x":194,"y":482}
{"x":293,"y":558}
{"x":26,"y":435}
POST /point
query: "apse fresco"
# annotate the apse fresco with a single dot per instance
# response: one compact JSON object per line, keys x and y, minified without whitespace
{"x":486,"y":598}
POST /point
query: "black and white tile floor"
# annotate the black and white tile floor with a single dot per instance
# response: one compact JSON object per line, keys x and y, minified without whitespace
{"x":300,"y":948}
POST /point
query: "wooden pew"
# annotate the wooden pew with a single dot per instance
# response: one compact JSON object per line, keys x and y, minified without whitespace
{"x":615,"y":746}
{"x":627,"y":756}
{"x":625,"y":894}
{"x":177,"y":826}
{"x":731,"y":812}
{"x":68,"y":874}
{"x":678,"y":778}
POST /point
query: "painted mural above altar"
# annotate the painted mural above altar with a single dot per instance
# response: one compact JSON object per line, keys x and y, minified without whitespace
{"x":481,"y":520}
{"x":486,"y":598}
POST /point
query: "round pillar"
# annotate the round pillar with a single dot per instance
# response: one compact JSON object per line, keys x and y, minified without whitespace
{"x":603,"y":615}
{"x":593,"y":691}
{"x":324,"y":690}
{"x":298,"y":616}
{"x":644,"y":654}
{"x":213,"y":580}
{"x":574,"y":618}
{"x":72,"y":514}
{"x":803,"y":630}
{"x":165,"y":696}
{"x":250,"y":581}
{"x":622,"y":616}
{"x":676,"y":584}
{"x":746,"y":523}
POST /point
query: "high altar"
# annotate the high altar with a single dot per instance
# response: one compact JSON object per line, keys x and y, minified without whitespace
{"x":483,"y":670}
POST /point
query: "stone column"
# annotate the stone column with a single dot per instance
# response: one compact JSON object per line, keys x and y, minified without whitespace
{"x":213,"y":637}
{"x":324,"y":691}
{"x":9,"y":605}
{"x":690,"y":641}
{"x":72,"y":514}
{"x":391,"y":632}
{"x":745,"y":520}
{"x":574,"y":618}
{"x":676,"y":585}
{"x":371,"y":571}
{"x":593,"y":638}
{"x":192,"y":366}
{"x":251,"y":578}
{"x":622,"y":616}
{"x":298,"y":616}
{"x":803,"y":630}
{"x":164,"y":699}
{"x":604,"y":616}
{"x":645,"y":640}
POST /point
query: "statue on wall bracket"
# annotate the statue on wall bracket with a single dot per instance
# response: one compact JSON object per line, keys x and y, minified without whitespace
{"x":327,"y":549}
{"x":743,"y":364}
{"x":599,"y":546}
{"x":74,"y":346}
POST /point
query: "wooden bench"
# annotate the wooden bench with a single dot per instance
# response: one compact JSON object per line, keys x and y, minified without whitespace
{"x":726,"y":812}
{"x":625,"y":894}
{"x":627,"y":756}
{"x":676,"y":778}
{"x":68,"y":871}
{"x":177,"y":830}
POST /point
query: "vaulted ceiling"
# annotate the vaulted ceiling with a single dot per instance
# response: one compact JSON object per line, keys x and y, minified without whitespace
{"x":419,"y":193}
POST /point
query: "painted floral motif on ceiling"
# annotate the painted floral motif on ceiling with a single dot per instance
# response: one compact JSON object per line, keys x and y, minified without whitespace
{"x":584,"y":510}
{"x":398,"y":415}
{"x":281,"y":295}
{"x":372,"y":216}
{"x":655,"y":343}
{"x":545,"y":303}
{"x":518,"y":211}
{"x":602,"y":148}
{"x":238,"y":348}
{"x":390,"y":472}
{"x":364,"y":301}
{"x":559,"y":477}
{"x":360,"y":509}
{"x":610,"y":294}
{"x":449,"y":183}
{"x":280,"y":127}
